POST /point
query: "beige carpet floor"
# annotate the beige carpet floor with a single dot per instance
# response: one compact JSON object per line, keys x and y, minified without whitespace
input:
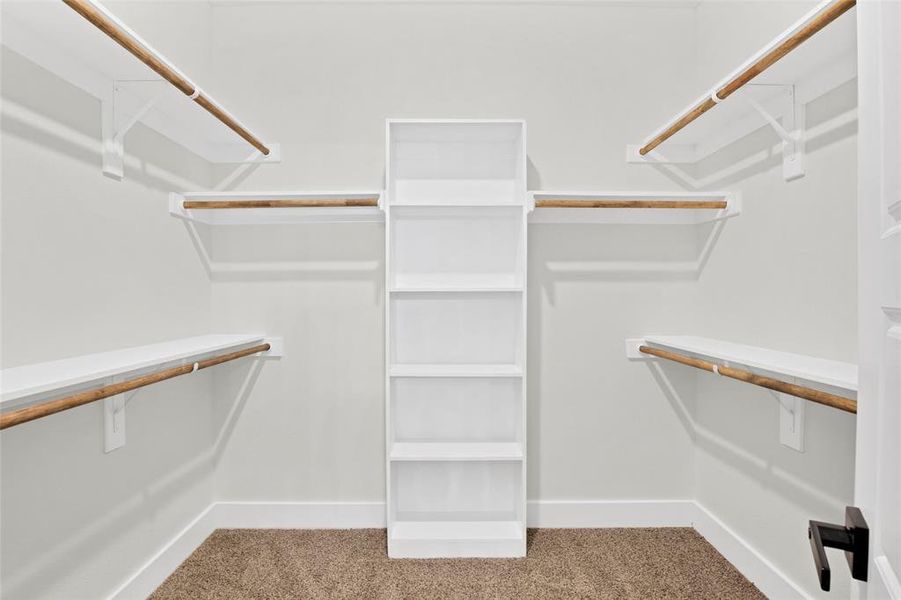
{"x":561,"y":563}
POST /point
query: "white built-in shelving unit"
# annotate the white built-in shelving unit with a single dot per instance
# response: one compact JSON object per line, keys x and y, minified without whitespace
{"x":775,"y":97}
{"x":456,"y":212}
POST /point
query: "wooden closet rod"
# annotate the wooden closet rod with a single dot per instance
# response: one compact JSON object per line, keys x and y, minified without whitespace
{"x":820,"y":397}
{"x":593,"y":203}
{"x":109,"y":26}
{"x":821,"y":20}
{"x":44,"y":409}
{"x":304,"y":203}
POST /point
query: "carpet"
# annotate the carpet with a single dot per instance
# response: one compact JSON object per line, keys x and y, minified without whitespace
{"x":671,"y":563}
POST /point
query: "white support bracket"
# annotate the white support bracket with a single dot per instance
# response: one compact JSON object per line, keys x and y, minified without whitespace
{"x":782,"y":101}
{"x":791,"y":130}
{"x":791,"y":408}
{"x":119,"y":114}
{"x":114,"y":420}
{"x":114,"y":406}
{"x":791,"y":421}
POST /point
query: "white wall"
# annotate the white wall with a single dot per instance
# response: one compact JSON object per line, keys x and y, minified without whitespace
{"x":587,"y":80}
{"x":783,"y":276}
{"x":321,"y":78}
{"x":90,"y":264}
{"x":584,"y":77}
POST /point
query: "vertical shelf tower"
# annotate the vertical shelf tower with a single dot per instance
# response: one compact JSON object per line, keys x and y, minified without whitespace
{"x":456,"y":215}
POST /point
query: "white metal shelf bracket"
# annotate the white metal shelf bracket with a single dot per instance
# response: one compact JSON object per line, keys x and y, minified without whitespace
{"x":118,"y":116}
{"x":114,"y":418}
{"x":791,"y":408}
{"x":791,"y":421}
{"x":783,"y":112}
{"x":791,"y":130}
{"x":114,"y":414}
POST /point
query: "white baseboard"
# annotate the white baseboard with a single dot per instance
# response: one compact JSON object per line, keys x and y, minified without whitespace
{"x":157,"y":569}
{"x":669,"y":513}
{"x":542,"y":514}
{"x":247,"y":515}
{"x":750,"y":563}
{"x":891,"y":583}
{"x":552,"y":514}
{"x":299,"y":515}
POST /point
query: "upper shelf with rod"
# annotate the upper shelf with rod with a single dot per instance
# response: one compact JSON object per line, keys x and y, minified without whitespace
{"x":85,"y":44}
{"x":813,"y":56}
{"x":647,"y":208}
{"x":34,"y":382}
{"x":829,"y":382}
{"x":35,"y":391}
{"x":794,"y":378}
{"x":275,"y":208}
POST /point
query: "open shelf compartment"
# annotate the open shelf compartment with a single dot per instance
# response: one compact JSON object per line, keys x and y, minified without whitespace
{"x":456,"y":410}
{"x":456,"y":509}
{"x":457,"y":247}
{"x":456,"y":162}
{"x":453,"y":329}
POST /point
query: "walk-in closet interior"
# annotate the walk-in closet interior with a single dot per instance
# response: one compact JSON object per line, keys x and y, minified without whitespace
{"x":459,"y":299}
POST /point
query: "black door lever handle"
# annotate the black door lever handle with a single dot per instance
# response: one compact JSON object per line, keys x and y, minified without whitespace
{"x":853,"y":537}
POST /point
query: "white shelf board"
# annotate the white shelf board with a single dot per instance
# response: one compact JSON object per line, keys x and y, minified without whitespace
{"x":635,"y":216}
{"x":457,"y":530}
{"x":427,"y":370}
{"x":60,"y":40}
{"x":456,"y":451}
{"x":809,"y":370}
{"x":820,"y":64}
{"x":452,"y":203}
{"x":275,"y":216}
{"x":456,"y":289}
{"x":450,"y":281}
{"x":19,"y":385}
{"x":459,"y":539}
